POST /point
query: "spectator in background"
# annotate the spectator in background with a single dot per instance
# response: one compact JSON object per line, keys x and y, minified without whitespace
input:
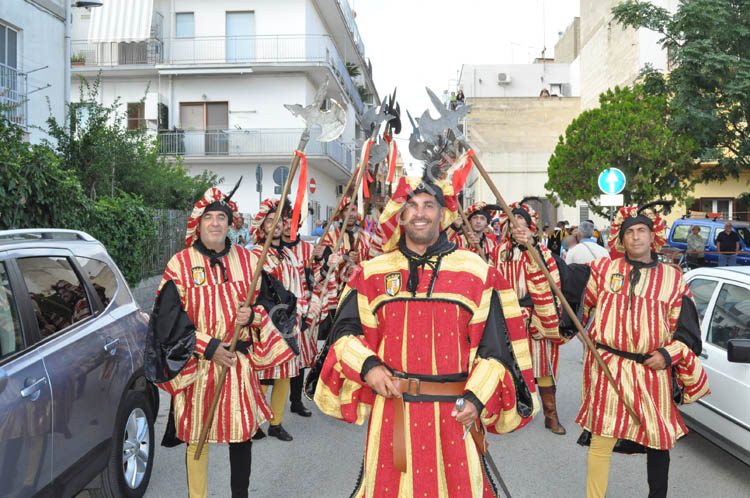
{"x":453,"y":101}
{"x":239,"y":235}
{"x":728,"y":242}
{"x":556,"y":237}
{"x":496,"y":226}
{"x":318,"y":230}
{"x":545,"y":235}
{"x":568,"y":243}
{"x":544,"y":93}
{"x":460,"y":98}
{"x":597,"y":235}
{"x":695,"y":247}
{"x":588,"y":249}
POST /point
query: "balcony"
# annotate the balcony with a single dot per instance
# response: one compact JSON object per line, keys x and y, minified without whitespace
{"x":351,"y":23}
{"x":267,"y":50}
{"x":13,"y":91}
{"x":252,"y":142}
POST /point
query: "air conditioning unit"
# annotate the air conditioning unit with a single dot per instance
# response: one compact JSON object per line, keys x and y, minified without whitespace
{"x":339,"y":189}
{"x":503,"y":78}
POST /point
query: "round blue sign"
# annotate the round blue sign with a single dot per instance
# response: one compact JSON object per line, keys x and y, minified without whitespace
{"x":612,"y":181}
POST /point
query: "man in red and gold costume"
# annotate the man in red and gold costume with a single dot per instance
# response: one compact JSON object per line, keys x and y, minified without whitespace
{"x":478,"y":233}
{"x":282,"y":263}
{"x":539,"y":306}
{"x":645,"y":326}
{"x":417,"y":328}
{"x":198,"y":304}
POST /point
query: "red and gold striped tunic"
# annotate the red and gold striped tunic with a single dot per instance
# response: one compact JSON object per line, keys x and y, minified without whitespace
{"x":541,"y":319}
{"x":211,"y":298}
{"x":637,"y":317}
{"x":442,"y":330}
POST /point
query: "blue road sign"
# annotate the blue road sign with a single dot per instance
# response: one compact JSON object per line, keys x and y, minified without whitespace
{"x":612,"y":181}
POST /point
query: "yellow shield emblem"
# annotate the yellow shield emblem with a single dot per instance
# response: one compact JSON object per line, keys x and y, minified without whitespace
{"x":615,"y":283}
{"x":199,"y":275}
{"x":392,"y":283}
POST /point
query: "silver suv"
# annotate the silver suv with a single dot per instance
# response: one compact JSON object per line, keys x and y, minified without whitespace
{"x":76,"y":411}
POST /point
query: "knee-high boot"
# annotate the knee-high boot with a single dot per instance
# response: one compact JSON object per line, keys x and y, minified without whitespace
{"x":549,"y":405}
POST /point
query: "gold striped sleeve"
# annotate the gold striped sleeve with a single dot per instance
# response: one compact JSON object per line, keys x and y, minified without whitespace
{"x":484,"y":378}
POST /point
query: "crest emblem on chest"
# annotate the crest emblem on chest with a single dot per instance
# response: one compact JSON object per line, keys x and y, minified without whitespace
{"x":199,"y":275}
{"x":616,"y":281}
{"x":393,"y":283}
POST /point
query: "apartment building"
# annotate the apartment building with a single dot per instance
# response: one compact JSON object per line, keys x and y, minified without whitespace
{"x":211,"y":78}
{"x":32,"y":63}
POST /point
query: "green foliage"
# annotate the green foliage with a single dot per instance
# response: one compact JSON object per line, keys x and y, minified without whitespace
{"x":628,"y":131}
{"x":709,"y":46}
{"x":125,"y":226}
{"x":353,"y":69}
{"x":107,"y":157}
{"x":35,"y":191}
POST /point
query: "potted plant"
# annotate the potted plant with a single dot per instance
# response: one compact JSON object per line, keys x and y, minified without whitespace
{"x":77,"y":60}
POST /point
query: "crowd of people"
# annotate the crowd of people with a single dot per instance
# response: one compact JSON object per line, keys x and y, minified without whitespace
{"x":421,"y":312}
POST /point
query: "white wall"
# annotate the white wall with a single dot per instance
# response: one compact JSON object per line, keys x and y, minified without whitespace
{"x":527,"y":80}
{"x":40,"y":44}
{"x":272,"y":17}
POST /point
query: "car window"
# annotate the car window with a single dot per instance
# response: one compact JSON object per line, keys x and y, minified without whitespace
{"x":11,"y":338}
{"x":702,"y":291}
{"x":56,"y":294}
{"x":731,"y":315}
{"x":680,"y":233}
{"x":101,"y":277}
{"x":744,"y":235}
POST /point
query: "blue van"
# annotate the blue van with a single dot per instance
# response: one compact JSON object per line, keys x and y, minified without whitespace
{"x":709,"y":230}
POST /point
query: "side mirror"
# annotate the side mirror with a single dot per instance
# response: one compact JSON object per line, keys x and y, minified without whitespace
{"x":738,"y":350}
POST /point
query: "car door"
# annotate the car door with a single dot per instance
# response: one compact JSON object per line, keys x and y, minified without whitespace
{"x":87,"y":366}
{"x":729,"y":402}
{"x":25,"y":395}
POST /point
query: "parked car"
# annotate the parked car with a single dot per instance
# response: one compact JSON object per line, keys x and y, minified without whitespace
{"x":709,"y":230}
{"x":76,"y":411}
{"x":722,"y":296}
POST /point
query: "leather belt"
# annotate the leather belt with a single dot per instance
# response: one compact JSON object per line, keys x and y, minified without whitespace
{"x":417,"y":387}
{"x":637,"y":357}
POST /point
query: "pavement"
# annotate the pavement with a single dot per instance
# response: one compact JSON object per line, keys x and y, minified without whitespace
{"x":325,"y":458}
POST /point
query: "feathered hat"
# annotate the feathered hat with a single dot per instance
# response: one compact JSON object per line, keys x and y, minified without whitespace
{"x":213,"y":200}
{"x":628,"y":216}
{"x":489,"y":211}
{"x":268,"y":206}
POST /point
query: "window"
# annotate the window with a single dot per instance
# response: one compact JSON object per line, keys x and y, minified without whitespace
{"x":682,"y":231}
{"x":731,"y":317}
{"x":184,"y":25}
{"x":57,"y":296}
{"x":722,"y":206}
{"x":11,"y":338}
{"x":101,"y":277}
{"x":136,"y":113}
{"x":583,"y":213}
{"x":702,"y":291}
{"x":8,"y":47}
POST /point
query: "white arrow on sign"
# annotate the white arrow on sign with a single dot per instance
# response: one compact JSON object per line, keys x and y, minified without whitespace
{"x":611,"y":180}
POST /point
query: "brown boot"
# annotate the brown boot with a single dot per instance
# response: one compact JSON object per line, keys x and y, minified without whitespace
{"x":551,"y":421}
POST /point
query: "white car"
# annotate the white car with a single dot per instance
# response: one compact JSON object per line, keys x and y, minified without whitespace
{"x":722,"y":296}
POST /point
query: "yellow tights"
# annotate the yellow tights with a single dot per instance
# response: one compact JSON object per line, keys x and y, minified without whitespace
{"x":599,"y":456}
{"x":279,"y":393}
{"x":197,"y":472}
{"x":545,"y":381}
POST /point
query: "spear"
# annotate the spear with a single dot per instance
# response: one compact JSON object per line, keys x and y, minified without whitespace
{"x":449,"y":121}
{"x":331,"y":125}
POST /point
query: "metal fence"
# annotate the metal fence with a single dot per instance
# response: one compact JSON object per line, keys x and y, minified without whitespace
{"x":13,"y":91}
{"x":256,"y":141}
{"x":262,"y":49}
{"x":169,"y":239}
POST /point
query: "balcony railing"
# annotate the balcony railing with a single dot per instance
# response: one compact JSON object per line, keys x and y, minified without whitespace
{"x":13,"y":91}
{"x":352,"y":25}
{"x":256,"y":141}
{"x":267,"y":49}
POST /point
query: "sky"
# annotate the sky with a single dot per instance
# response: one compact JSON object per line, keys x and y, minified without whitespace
{"x":418,"y":43}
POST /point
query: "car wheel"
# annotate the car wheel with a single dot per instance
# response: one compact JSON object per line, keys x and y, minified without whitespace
{"x":129,"y":468}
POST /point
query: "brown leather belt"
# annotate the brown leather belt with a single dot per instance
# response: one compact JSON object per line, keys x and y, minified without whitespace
{"x":417,"y":387}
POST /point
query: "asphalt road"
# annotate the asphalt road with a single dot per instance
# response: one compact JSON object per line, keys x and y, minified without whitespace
{"x":325,"y":457}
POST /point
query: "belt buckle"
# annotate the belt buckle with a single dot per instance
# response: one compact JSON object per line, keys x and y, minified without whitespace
{"x":417,"y":383}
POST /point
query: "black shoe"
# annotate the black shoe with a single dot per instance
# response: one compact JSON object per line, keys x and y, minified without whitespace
{"x":259,"y":435}
{"x":279,"y":433}
{"x":300,"y":410}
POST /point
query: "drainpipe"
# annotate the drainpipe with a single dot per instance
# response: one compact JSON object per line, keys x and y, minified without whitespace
{"x":66,"y":61}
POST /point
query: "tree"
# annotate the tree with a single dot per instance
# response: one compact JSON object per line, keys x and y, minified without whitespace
{"x":708,"y":42}
{"x":628,"y":131}
{"x":107,"y":157}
